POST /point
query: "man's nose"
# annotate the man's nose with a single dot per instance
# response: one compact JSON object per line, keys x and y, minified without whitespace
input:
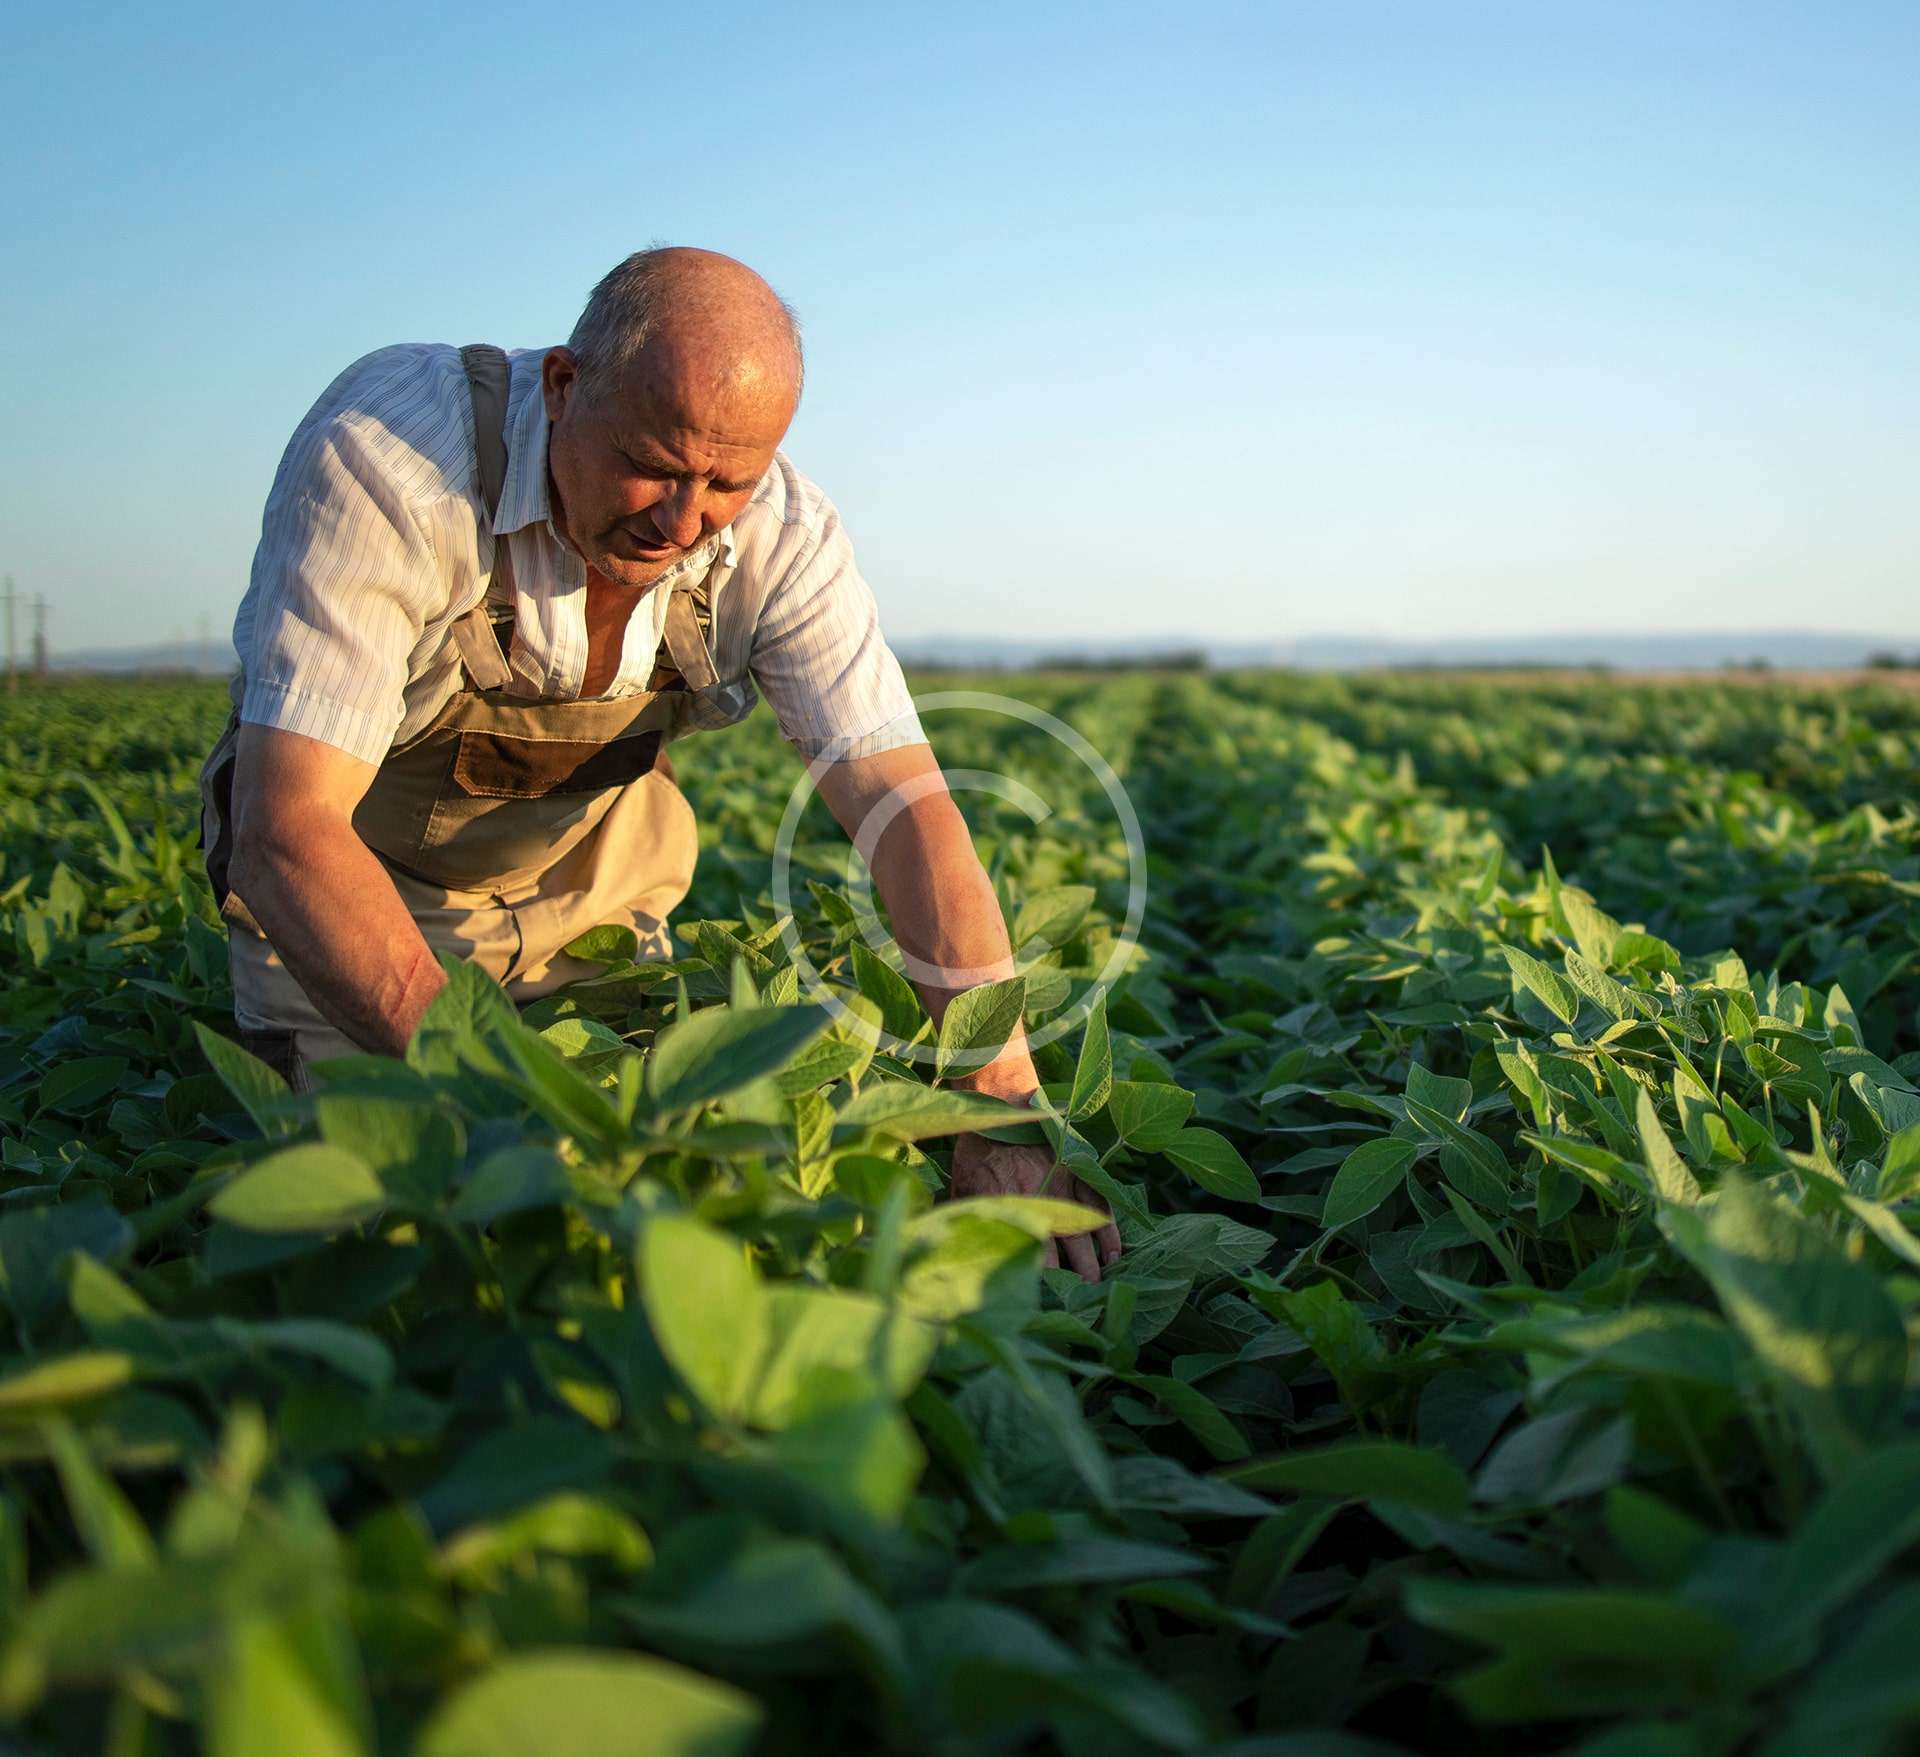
{"x":678,"y":515}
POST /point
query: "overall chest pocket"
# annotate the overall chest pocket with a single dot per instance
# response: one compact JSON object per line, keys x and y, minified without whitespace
{"x":501,"y":765}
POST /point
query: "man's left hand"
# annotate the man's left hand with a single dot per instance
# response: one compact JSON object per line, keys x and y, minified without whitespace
{"x":995,"y":1168}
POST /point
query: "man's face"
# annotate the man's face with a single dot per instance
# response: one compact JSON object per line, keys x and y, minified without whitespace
{"x":647,"y":467}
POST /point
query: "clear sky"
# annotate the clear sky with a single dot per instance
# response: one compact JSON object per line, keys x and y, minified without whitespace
{"x":1250,"y":321}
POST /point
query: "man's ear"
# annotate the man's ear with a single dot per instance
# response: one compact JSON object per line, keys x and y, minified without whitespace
{"x":559,"y":381}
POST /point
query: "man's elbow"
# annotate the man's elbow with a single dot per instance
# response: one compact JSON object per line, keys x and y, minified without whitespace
{"x":276,"y":846}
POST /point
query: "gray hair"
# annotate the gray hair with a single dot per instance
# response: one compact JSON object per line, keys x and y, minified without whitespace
{"x":622,"y":311}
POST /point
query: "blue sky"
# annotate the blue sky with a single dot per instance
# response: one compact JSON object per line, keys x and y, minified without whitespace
{"x":1251,"y":321}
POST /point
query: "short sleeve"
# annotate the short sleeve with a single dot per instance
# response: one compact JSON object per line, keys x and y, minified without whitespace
{"x":819,"y":656}
{"x":343,"y":582}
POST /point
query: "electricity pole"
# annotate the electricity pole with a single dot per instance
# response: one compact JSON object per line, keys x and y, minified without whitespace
{"x":41,"y":662}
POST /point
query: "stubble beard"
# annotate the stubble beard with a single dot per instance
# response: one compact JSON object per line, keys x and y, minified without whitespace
{"x":616,"y":570}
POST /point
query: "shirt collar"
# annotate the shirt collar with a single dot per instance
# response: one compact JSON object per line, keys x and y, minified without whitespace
{"x":523,"y":495}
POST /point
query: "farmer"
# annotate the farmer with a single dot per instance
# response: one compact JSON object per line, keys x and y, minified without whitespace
{"x":489,"y":588}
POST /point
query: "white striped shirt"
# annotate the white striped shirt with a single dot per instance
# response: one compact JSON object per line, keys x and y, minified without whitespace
{"x":376,"y":539}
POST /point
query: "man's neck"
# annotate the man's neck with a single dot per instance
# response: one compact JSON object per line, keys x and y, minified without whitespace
{"x":557,"y":514}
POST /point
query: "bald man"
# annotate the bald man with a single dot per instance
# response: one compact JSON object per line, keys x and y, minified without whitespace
{"x":490,"y":588}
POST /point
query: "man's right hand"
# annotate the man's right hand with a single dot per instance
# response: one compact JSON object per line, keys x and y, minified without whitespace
{"x":320,"y":893}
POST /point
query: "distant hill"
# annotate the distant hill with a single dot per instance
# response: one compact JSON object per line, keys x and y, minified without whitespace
{"x":1787,"y":649}
{"x":1707,"y":650}
{"x":194,"y":658}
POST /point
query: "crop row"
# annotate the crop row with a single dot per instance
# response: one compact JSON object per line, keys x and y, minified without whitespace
{"x":1512,"y":1345}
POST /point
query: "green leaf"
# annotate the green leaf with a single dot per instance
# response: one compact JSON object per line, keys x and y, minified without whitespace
{"x":102,"y":1515}
{"x":1545,"y":984}
{"x":94,"y":1624}
{"x":1441,"y":1092}
{"x":289,"y":1687}
{"x":1087,"y":1561}
{"x":1822,"y":1325}
{"x":1614,"y":999}
{"x":81,"y":1083}
{"x":706,"y":1308}
{"x":564,"y":1095}
{"x":908,"y":1111}
{"x":976,"y":1025}
{"x":73,"y":1378}
{"x":1147,"y":1115}
{"x":1366,"y":1178}
{"x":591,"y":1700}
{"x":1594,"y":931}
{"x":722,"y":1049}
{"x":468,"y":1014}
{"x":1038,"y":1217}
{"x":309,"y":1188}
{"x":511,"y":1181}
{"x":412,"y":1147}
{"x":1646,"y":1340}
{"x":1865,"y":1696}
{"x":994,"y":1671}
{"x":1197,"y":1413}
{"x":1214,"y":1163}
{"x":1633,"y":950}
{"x":513,"y":1467}
{"x":610,"y":944}
{"x":354,"y":1353}
{"x":961,"y":1261}
{"x":900,"y":1010}
{"x":1093,"y":1072}
{"x":1900,"y":1166}
{"x":814,"y":1329}
{"x":1658,"y":1539}
{"x":819,"y":1064}
{"x":1364,"y":1470}
{"x":777,"y":1599}
{"x":566,"y":1524}
{"x":1476,"y":1225}
{"x":1489,"y":883}
{"x":1334,"y":1329}
{"x":1867,"y":1518}
{"x":1471,"y":1161}
{"x":1578,"y":1650}
{"x":1673,"y":1179}
{"x":259,"y":1089}
{"x":851,"y":1445}
{"x":1051,"y":918}
{"x":38,"y":1243}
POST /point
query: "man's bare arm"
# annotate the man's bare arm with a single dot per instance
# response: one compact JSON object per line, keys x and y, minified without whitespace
{"x":896,"y":809}
{"x":945,"y":915}
{"x":320,"y":893}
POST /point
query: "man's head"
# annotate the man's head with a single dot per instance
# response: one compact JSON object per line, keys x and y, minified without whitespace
{"x":666,"y":405}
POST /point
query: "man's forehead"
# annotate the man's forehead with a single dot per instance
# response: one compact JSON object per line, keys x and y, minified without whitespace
{"x":682,"y":440}
{"x":709,"y":389}
{"x":666,"y":418}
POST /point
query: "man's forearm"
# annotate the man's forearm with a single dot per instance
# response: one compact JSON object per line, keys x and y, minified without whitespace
{"x":947,"y":920}
{"x":331,"y":911}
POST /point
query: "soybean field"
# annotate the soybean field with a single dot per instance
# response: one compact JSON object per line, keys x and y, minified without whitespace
{"x":1509,"y":1093}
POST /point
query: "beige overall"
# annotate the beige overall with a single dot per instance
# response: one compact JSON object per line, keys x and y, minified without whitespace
{"x":509,"y":826}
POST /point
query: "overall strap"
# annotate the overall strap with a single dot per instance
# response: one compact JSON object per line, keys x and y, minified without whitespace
{"x":685,"y":637}
{"x":487,"y":375}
